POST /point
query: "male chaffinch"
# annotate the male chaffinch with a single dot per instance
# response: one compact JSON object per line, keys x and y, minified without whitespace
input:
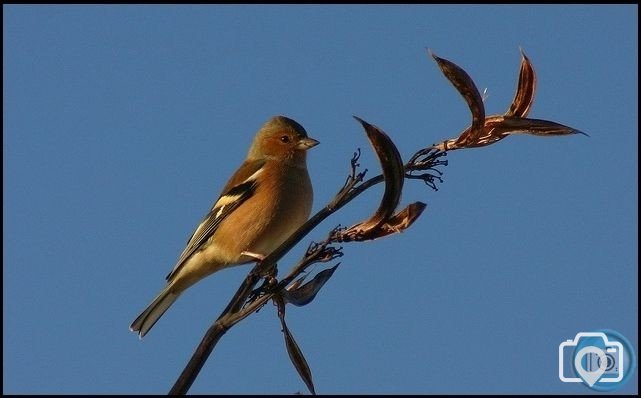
{"x":262,"y":204}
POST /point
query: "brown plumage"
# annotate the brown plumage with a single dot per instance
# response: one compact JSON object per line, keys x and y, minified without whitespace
{"x":261,"y":205}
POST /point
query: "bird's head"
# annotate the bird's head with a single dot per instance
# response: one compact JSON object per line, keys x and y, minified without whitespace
{"x":281,"y":138}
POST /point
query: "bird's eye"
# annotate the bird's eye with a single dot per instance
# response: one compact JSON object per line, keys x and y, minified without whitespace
{"x":284,"y":139}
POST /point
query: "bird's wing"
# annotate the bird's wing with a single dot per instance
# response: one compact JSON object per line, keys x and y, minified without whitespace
{"x":241,"y":186}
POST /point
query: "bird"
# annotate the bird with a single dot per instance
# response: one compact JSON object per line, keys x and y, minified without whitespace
{"x":262,"y":204}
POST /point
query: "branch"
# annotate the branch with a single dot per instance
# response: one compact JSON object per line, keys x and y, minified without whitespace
{"x":386,"y":220}
{"x":241,"y":306}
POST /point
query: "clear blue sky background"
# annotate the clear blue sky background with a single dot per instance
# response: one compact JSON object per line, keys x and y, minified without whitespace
{"x":122,"y":123}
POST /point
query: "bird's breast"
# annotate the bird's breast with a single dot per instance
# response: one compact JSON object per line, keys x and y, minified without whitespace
{"x":277,"y":210}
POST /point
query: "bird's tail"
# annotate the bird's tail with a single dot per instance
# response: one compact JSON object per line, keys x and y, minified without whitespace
{"x":154,"y":311}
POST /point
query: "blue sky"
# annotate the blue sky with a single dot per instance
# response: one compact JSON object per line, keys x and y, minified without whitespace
{"x":122,"y":123}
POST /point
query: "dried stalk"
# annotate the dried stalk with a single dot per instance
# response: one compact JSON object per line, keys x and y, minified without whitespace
{"x":242,"y":306}
{"x":489,"y":130}
{"x":386,"y":220}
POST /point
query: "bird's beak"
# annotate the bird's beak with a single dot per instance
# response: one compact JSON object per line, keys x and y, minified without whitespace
{"x":307,"y":143}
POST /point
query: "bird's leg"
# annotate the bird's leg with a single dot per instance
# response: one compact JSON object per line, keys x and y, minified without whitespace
{"x":256,"y":256}
{"x":271,"y":275}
